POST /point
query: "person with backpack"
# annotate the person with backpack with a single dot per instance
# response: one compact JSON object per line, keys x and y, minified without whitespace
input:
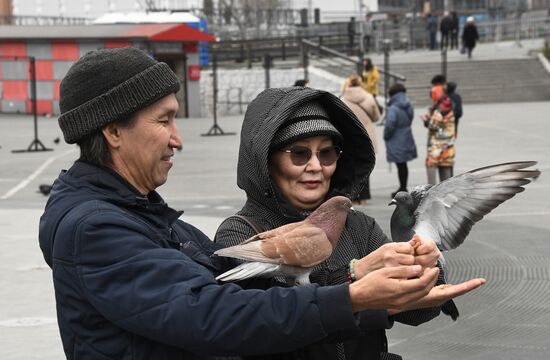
{"x":457,"y":103}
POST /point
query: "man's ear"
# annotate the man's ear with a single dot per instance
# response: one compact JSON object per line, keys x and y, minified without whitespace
{"x":111,"y":132}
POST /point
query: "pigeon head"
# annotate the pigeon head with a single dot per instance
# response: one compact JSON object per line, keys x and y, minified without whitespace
{"x":402,"y":198}
{"x":331,"y":217}
{"x":402,"y":219}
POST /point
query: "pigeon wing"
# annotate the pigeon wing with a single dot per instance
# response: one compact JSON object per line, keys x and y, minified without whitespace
{"x":418,"y":193}
{"x":302,"y":244}
{"x":449,"y":209}
{"x":248,"y":270}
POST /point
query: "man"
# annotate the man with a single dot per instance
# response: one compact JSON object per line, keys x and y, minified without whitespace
{"x":133,"y":281}
{"x":445,"y":28}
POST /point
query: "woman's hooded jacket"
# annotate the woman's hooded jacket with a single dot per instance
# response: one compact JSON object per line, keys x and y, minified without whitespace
{"x":400,"y":145}
{"x":365,"y":108}
{"x":266,"y":207}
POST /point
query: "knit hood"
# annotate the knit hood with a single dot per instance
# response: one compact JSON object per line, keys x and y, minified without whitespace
{"x":271,"y":110}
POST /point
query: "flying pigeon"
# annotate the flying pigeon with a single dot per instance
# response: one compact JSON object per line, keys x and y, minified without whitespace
{"x":447,"y":211}
{"x":293,"y":249}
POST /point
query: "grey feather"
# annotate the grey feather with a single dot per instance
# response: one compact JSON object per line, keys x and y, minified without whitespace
{"x":448,"y":210}
{"x":259,"y":269}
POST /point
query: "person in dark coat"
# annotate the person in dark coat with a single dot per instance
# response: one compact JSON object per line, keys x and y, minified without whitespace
{"x":456,"y":100}
{"x":400,"y":145}
{"x":131,"y":280}
{"x":287,"y":171}
{"x":470,"y":36}
{"x":455,"y":25}
{"x":445,"y":28}
{"x":431,"y":28}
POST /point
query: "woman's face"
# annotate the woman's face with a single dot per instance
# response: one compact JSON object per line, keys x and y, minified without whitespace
{"x":304,"y":186}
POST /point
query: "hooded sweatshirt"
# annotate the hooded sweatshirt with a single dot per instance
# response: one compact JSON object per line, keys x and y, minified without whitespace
{"x":365,"y":108}
{"x":267,"y":207}
{"x":400,"y":145}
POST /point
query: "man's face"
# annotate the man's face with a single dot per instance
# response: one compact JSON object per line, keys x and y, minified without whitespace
{"x":144,"y":156}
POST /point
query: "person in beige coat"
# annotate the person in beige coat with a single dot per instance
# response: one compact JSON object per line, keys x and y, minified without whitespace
{"x":364,"y":107}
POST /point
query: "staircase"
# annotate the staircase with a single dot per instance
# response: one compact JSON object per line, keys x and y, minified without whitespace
{"x":479,"y":81}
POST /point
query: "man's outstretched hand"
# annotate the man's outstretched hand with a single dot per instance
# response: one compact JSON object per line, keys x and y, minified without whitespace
{"x":405,"y":288}
{"x":441,"y":294}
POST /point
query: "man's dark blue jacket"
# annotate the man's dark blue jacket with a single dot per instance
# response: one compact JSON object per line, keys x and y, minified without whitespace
{"x":134,"y":282}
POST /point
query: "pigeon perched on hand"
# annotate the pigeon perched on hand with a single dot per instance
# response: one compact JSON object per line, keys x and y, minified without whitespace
{"x":293,"y":249}
{"x":447,"y":211}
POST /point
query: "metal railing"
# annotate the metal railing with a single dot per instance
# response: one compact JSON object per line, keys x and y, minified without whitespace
{"x":43,"y":20}
{"x":355,"y":61}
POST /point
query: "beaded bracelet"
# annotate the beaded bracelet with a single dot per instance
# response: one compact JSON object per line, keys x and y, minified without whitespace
{"x":350,"y":274}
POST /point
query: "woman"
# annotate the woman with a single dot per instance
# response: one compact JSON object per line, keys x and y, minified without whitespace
{"x":364,"y":107}
{"x":470,"y":35}
{"x":300,"y":146}
{"x":440,"y":154}
{"x":400,"y":145}
{"x":371,"y":78}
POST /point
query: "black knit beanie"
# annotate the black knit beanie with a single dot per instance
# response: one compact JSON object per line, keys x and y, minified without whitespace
{"x":108,"y":85}
{"x":310,"y":119}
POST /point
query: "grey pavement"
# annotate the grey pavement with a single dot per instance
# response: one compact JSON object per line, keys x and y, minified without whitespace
{"x":508,"y":318}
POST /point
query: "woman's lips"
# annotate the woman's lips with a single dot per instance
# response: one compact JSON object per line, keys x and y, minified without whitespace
{"x":310,"y":184}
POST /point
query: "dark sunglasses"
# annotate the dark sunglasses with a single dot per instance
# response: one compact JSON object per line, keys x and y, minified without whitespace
{"x":300,"y":155}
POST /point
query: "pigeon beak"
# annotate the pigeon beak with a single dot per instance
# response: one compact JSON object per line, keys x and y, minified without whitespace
{"x":392,"y":202}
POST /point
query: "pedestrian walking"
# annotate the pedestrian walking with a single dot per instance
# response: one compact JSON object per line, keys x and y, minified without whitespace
{"x":470,"y":36}
{"x":364,"y":106}
{"x":400,"y":144}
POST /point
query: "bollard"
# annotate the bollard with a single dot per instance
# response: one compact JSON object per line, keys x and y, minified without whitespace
{"x":444,"y":61}
{"x":386,"y":43}
{"x":267,"y":66}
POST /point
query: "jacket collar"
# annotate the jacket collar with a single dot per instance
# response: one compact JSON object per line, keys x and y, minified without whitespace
{"x":107,"y":185}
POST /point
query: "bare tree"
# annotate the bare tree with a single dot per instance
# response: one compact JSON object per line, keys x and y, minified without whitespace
{"x":247,"y":15}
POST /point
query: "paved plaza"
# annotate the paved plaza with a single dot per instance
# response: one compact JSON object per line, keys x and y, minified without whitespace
{"x":508,"y":318}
